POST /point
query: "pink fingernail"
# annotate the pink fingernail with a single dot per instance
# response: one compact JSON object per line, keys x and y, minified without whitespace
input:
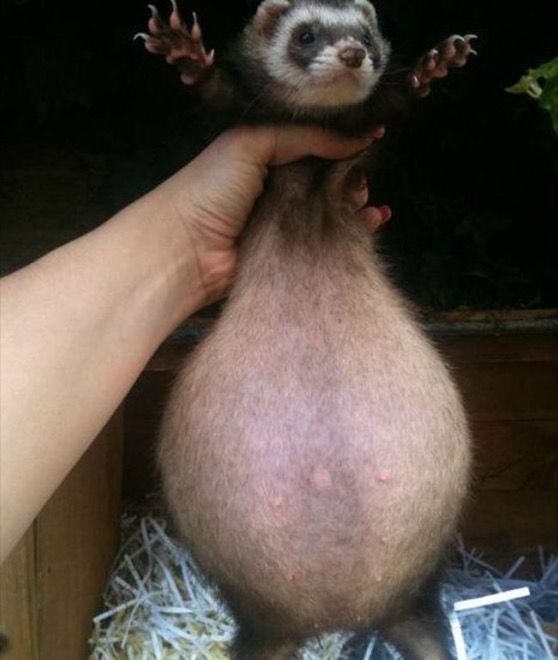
{"x":386,"y":212}
{"x":378,"y":132}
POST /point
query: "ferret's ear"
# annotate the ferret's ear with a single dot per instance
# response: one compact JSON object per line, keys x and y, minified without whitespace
{"x":367,"y":8}
{"x":269,"y":13}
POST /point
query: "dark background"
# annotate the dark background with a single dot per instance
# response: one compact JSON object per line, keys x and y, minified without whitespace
{"x":90,"y":121}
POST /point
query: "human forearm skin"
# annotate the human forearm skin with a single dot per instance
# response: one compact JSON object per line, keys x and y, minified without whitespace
{"x":78,"y":326}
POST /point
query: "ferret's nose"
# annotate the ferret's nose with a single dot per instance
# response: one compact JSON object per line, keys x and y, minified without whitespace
{"x":352,"y":56}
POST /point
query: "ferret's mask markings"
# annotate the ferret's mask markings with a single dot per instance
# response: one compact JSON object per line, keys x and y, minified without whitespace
{"x":324,"y":56}
{"x":309,"y":60}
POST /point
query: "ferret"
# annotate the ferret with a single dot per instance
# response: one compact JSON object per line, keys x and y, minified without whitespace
{"x":315,"y":453}
{"x":309,"y":61}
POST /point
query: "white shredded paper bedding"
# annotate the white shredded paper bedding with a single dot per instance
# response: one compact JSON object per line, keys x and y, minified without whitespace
{"x":158,"y":606}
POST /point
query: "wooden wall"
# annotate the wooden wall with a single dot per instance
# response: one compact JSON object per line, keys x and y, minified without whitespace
{"x":52,"y":583}
{"x":510,"y":387}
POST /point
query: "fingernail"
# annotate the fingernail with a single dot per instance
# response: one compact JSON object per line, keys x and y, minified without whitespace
{"x":378,"y":132}
{"x":386,"y":212}
{"x":361,"y":183}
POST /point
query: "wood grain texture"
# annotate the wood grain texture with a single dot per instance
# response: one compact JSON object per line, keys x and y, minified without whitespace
{"x":18,"y":601}
{"x":54,"y":580}
{"x":521,"y":347}
{"x":516,"y":455}
{"x":77,"y":537}
{"x":495,"y":391}
{"x":512,"y":523}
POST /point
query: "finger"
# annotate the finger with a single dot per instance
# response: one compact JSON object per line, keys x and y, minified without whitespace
{"x":374,"y":217}
{"x":358,"y":191}
{"x":297,"y":142}
{"x":387,"y":213}
{"x":358,"y":198}
{"x":285,"y":144}
{"x":371,"y":218}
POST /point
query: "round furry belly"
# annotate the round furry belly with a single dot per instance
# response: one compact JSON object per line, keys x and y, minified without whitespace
{"x":330,"y":532}
{"x":319,"y":563}
{"x":324,"y":487}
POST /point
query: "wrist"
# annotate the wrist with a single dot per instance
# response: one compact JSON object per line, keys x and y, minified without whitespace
{"x":151,"y":268}
{"x":184,"y":270}
{"x":203,"y":224}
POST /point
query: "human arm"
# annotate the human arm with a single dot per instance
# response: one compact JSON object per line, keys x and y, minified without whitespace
{"x":79,"y":325}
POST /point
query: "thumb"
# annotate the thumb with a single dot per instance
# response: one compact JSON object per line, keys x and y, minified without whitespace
{"x":279,"y":145}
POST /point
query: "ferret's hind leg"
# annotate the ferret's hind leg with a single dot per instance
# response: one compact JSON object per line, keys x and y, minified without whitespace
{"x":422,"y":634}
{"x":451,"y":53}
{"x":264,"y":632}
{"x":418,"y":638}
{"x":252,"y":645}
{"x":180,"y":45}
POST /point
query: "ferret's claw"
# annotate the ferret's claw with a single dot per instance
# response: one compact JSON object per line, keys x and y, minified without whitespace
{"x":154,"y":12}
{"x":451,"y":53}
{"x":196,"y":29}
{"x":179,"y":45}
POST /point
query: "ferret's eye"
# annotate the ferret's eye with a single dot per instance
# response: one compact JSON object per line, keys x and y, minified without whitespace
{"x":367,"y":40}
{"x":306,"y":38}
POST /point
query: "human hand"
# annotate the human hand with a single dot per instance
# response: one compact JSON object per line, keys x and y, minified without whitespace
{"x":214,"y":195}
{"x":372,"y":217}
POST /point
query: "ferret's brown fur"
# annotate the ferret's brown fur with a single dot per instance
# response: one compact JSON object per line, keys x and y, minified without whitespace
{"x":315,"y":453}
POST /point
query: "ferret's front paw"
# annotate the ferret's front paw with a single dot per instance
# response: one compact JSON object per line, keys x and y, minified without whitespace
{"x":179,"y":45}
{"x":453,"y":52}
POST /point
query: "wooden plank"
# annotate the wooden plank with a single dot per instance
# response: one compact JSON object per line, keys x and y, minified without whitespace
{"x":76,"y":539}
{"x":509,"y":390}
{"x":468,"y":315}
{"x":523,"y":347}
{"x":512,"y":522}
{"x":18,"y":601}
{"x":516,"y":455}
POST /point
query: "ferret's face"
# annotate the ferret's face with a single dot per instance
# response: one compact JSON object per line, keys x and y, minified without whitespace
{"x":326,"y":54}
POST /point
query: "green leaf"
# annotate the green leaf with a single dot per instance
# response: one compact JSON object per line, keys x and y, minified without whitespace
{"x":549,"y":100}
{"x":527,"y":85}
{"x":548,"y":70}
{"x":541,"y":84}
